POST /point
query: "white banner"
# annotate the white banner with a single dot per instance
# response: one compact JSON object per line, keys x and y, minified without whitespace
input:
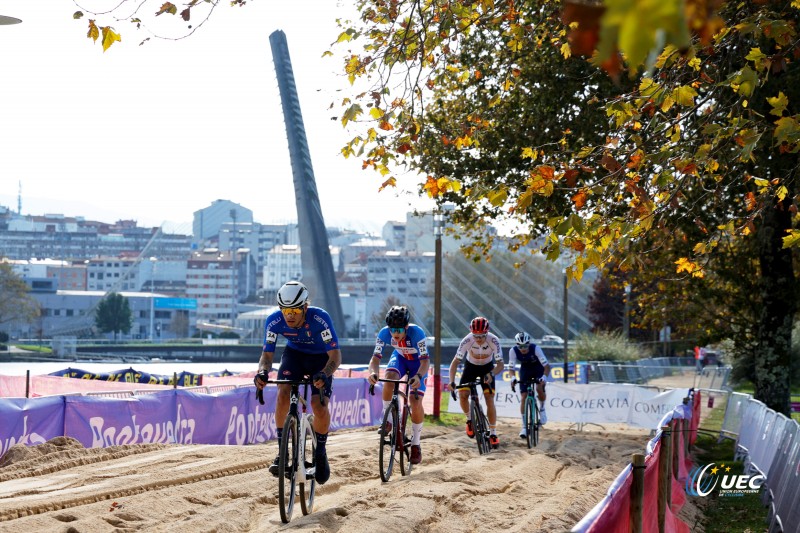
{"x":595,"y":403}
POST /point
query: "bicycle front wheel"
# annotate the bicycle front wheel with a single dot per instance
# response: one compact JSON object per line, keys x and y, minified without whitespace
{"x":388,"y":444}
{"x":404,"y":443}
{"x":480,"y":426}
{"x":308,"y":485}
{"x":287,"y":468}
{"x":530,"y":421}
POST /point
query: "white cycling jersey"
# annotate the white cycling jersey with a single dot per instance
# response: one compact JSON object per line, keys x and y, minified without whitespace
{"x":480,"y":353}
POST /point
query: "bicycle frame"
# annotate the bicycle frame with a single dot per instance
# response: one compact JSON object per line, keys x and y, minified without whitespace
{"x":531,"y":413}
{"x":398,"y":441}
{"x":479,"y":420}
{"x":294,"y":467}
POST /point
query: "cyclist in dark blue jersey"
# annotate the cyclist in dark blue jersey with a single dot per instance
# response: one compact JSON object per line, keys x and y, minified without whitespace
{"x":312,"y":349}
{"x":532,"y":365}
{"x":410,"y":356}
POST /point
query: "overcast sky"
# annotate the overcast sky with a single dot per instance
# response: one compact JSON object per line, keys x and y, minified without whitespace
{"x":156,"y":132}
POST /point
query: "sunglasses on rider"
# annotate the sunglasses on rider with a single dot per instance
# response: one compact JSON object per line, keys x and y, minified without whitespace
{"x":291,"y":311}
{"x":397,"y":330}
{"x":522,"y":346}
{"x":479,"y":336}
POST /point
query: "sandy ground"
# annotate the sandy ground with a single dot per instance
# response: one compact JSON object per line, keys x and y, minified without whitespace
{"x":62,"y":487}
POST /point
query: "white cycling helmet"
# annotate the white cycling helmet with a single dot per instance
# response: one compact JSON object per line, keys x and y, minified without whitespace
{"x":522,"y":338}
{"x":292,"y":294}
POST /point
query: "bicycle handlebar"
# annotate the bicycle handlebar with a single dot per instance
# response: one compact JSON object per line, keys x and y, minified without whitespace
{"x":323,"y":399}
{"x":385,"y":380}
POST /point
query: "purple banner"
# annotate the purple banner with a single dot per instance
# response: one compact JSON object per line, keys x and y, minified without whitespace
{"x":99,"y":422}
{"x":188,"y":417}
{"x":30,"y":421}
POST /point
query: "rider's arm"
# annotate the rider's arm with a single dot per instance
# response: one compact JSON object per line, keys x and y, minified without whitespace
{"x":265,"y":362}
{"x":498,"y":355}
{"x":375,"y":365}
{"x":454,"y":365}
{"x":334,"y":360}
{"x":543,"y":360}
{"x":424,"y":364}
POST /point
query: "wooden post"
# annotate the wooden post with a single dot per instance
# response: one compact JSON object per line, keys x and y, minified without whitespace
{"x":174,"y":380}
{"x":664,"y":476}
{"x":637,"y":493}
{"x":27,"y":383}
{"x":676,"y":441}
{"x":686,"y":428}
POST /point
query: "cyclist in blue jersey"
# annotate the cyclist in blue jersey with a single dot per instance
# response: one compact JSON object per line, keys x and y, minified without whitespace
{"x":410,"y":356}
{"x":312,"y":349}
{"x":532,"y":365}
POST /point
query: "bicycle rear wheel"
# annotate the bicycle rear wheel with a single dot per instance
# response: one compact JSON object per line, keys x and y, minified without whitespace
{"x":308,"y":485}
{"x":536,"y":421}
{"x":287,"y":468}
{"x":404,"y":444}
{"x":388,"y":443}
{"x":480,"y":427}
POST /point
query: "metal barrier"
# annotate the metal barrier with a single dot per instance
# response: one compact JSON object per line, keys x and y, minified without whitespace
{"x":734,"y":412}
{"x":769,"y":445}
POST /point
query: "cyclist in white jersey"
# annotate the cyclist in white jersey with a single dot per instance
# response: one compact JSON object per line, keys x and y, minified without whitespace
{"x":482,"y":356}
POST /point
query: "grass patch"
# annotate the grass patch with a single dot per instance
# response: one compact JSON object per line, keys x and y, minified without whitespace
{"x":34,"y":348}
{"x":445,"y":418}
{"x":723,"y":514}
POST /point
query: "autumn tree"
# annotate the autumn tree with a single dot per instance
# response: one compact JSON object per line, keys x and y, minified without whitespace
{"x":16,"y":304}
{"x":692,"y":149}
{"x":113,"y":314}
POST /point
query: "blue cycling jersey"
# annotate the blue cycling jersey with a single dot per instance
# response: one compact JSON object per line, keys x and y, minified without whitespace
{"x":411,"y":348}
{"x":316,"y":335}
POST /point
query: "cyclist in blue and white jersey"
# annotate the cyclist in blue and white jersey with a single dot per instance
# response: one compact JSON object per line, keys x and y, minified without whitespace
{"x":532,"y":365}
{"x":312,"y":349}
{"x":482,"y":356}
{"x":410,"y":356}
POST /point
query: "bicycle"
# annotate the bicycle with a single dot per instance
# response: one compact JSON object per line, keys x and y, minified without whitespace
{"x":531,"y":412}
{"x":398,"y":439}
{"x":297,"y":448}
{"x":479,"y":421}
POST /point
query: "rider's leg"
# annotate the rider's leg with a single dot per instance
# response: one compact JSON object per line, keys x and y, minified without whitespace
{"x":491,"y":412}
{"x":542,"y":397}
{"x":417,"y":418}
{"x":522,"y":408}
{"x":391,"y":373}
{"x":281,"y":407}
{"x":322,"y":416}
{"x":463,"y":400}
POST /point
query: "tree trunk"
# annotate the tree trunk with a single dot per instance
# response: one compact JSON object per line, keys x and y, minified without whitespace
{"x":777,"y":286}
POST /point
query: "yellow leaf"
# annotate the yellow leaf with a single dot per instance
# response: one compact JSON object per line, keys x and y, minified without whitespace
{"x":529,"y":153}
{"x":566,"y":51}
{"x":344,"y":36}
{"x":93,"y":32}
{"x":167,"y":7}
{"x":684,"y":95}
{"x":109,"y":37}
{"x":376,"y":113}
{"x":684,"y":265}
{"x":497,"y":197}
{"x":391,"y":182}
{"x":781,"y":192}
{"x":792,"y":239}
{"x":778,"y":104}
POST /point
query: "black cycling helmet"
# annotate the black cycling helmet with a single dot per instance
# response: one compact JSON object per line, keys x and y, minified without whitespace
{"x":398,"y":316}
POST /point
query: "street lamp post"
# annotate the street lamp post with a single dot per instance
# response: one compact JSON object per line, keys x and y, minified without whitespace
{"x":438,"y":226}
{"x":566,"y":325}
{"x":153,"y":261}
{"x":626,"y":320}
